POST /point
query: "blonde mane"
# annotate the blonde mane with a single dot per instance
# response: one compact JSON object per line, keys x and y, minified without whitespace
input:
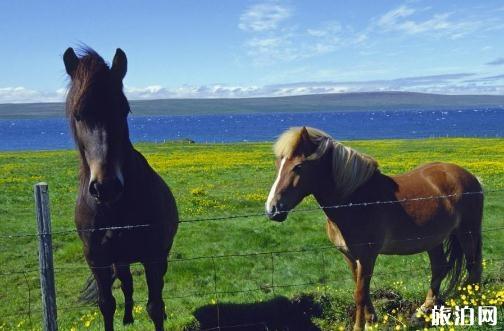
{"x":286,"y":144}
{"x":350,"y":168}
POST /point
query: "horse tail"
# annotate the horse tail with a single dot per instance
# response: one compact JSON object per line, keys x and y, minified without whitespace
{"x":89,"y":294}
{"x":455,"y":266}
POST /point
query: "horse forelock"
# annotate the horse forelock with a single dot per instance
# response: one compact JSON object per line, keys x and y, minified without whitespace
{"x":91,"y":70}
{"x":288,"y":142}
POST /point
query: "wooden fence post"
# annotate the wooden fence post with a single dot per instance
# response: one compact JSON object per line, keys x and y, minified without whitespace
{"x":45,"y":257}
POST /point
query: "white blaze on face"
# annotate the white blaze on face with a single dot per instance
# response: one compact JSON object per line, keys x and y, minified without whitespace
{"x":94,"y":169}
{"x":272,"y":192}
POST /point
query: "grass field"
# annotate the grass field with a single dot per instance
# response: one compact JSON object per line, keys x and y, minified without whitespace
{"x":311,"y":287}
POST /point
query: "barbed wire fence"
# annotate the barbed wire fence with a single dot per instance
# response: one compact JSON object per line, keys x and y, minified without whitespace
{"x":216,"y":292}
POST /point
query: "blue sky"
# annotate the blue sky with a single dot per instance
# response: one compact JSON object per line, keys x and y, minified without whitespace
{"x":226,"y":48}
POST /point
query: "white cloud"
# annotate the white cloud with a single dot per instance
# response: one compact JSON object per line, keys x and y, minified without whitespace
{"x":263,"y":17}
{"x":187,"y":92}
{"x":326,"y":29}
{"x":148,"y":91}
{"x":457,"y":83}
{"x":24,"y":95}
{"x":448,"y":24}
{"x":445,"y":84}
{"x":229,"y":91}
{"x":273,"y":38}
{"x":264,"y":43}
{"x":392,"y":17}
{"x":267,"y":50}
{"x":436,"y":23}
{"x":292,"y":44}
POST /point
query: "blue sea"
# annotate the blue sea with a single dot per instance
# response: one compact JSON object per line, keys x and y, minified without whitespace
{"x":53,"y":133}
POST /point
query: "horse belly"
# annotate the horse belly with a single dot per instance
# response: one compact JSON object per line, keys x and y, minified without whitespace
{"x":137,"y":245}
{"x":412,"y":238}
{"x":400,"y":247}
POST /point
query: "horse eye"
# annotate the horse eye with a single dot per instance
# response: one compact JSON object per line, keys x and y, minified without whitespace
{"x":77,"y":117}
{"x":297,"y":167}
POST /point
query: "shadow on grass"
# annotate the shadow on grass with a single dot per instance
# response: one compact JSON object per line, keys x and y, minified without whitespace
{"x":279,"y":313}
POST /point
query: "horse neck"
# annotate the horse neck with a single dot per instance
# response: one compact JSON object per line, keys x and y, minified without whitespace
{"x":327,"y":193}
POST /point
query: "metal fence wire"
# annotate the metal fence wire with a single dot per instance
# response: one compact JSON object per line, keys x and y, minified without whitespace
{"x":256,"y":214}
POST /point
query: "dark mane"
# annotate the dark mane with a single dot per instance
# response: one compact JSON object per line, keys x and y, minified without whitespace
{"x":91,"y":70}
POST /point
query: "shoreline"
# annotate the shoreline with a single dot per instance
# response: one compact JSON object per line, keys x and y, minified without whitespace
{"x":189,"y":142}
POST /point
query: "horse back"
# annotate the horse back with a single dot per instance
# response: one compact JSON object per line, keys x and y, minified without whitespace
{"x":447,"y":181}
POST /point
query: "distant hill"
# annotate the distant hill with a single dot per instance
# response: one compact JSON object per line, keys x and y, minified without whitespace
{"x":365,"y":101}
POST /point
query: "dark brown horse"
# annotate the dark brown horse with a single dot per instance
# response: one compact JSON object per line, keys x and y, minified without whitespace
{"x":118,"y":189}
{"x":311,"y":162}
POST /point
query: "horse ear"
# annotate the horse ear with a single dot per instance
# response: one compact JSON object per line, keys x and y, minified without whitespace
{"x":306,"y":146}
{"x":119,"y":64}
{"x":305,"y":136}
{"x":71,"y":61}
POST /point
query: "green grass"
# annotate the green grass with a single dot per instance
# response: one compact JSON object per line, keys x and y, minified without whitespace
{"x":218,"y":180}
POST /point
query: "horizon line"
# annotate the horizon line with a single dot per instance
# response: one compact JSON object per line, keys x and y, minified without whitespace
{"x":272,"y":96}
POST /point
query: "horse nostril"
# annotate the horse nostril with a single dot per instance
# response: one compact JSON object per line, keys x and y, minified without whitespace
{"x":95,"y":189}
{"x":106,"y":190}
{"x":273,"y":210}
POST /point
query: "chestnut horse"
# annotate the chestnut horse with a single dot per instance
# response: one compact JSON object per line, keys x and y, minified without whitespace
{"x":118,"y":189}
{"x":310,"y":162}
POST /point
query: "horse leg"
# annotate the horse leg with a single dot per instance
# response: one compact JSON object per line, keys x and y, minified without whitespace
{"x":470,"y":241}
{"x":439,"y":269}
{"x":364,"y":313}
{"x":124,"y":274}
{"x":106,"y":300}
{"x":154,"y":273}
{"x":353,"y":266}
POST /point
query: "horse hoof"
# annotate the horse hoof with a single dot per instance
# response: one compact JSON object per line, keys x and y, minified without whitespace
{"x":128,"y":320}
{"x":165,"y":317}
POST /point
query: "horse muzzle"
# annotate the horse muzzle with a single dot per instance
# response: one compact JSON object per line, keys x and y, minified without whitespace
{"x":106,"y":191}
{"x":275,"y":215}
